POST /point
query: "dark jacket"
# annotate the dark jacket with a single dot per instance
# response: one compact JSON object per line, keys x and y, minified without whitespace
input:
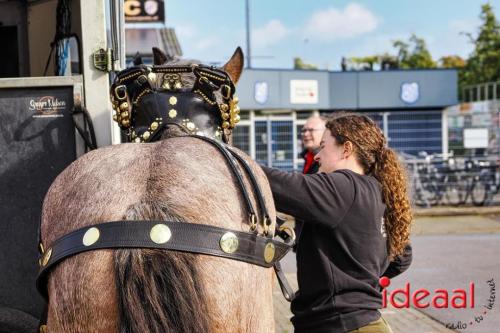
{"x":342,"y":251}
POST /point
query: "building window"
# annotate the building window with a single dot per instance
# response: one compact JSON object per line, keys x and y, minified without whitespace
{"x":413,"y":132}
{"x":241,"y":138}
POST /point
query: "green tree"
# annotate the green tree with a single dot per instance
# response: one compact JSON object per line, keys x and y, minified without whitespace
{"x":388,"y":61}
{"x":383,"y":61}
{"x":416,"y":57}
{"x":452,"y":61}
{"x":298,"y":63}
{"x":483,"y":64}
{"x":362,"y":63}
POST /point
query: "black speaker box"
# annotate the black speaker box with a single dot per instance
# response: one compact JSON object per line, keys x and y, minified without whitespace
{"x":37,"y":141}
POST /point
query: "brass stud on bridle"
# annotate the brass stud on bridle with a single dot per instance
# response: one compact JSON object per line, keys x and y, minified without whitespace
{"x":269,"y":252}
{"x":91,"y":236}
{"x":229,"y":242}
{"x":172,"y":113}
{"x":160,"y":233}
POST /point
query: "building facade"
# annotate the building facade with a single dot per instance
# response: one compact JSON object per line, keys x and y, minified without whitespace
{"x":408,"y":105}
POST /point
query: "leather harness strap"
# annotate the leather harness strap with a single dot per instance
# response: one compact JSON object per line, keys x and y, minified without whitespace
{"x":195,"y":238}
{"x":179,"y":236}
{"x":233,"y":165}
{"x":285,"y":287}
{"x":260,"y":198}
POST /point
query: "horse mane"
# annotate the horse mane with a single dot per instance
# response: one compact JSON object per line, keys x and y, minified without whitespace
{"x":173,"y":295}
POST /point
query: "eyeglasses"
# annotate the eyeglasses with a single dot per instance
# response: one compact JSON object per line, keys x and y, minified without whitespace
{"x":305,"y":130}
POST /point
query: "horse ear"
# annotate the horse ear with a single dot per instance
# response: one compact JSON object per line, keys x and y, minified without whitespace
{"x":159,"y":57}
{"x":138,"y":59}
{"x":234,"y":66}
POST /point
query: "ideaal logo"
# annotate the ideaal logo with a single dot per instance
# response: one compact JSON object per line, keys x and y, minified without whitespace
{"x":47,"y":106}
{"x":440,"y":299}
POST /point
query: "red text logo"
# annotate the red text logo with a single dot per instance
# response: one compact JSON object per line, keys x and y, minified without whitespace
{"x":423,"y":298}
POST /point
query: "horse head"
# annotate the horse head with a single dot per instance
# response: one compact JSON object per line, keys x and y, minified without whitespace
{"x":175,"y":97}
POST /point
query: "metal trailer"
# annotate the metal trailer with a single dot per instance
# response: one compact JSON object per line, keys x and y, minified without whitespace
{"x":37,"y":129}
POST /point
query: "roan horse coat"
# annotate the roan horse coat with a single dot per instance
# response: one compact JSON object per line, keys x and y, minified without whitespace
{"x":150,"y":290}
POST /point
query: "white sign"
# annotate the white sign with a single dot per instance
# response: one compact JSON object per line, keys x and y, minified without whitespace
{"x":476,"y":138}
{"x":410,"y":92}
{"x":304,"y":91}
{"x":261,"y":92}
{"x":481,"y":120}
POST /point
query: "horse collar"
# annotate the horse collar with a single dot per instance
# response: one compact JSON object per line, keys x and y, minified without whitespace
{"x":148,"y":98}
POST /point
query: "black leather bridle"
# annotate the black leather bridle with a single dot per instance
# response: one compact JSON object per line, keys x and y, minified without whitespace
{"x":146,"y":99}
{"x":251,"y":247}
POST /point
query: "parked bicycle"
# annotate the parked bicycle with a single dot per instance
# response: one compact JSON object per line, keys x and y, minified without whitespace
{"x":487,"y":185}
{"x":475,"y":180}
{"x":452,"y":181}
{"x":428,"y":178}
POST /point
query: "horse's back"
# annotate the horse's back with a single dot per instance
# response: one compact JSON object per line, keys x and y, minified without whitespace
{"x":178,"y":179}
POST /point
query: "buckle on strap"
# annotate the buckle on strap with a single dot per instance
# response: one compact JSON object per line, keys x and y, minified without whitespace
{"x":121,"y":92}
{"x":286,"y":233}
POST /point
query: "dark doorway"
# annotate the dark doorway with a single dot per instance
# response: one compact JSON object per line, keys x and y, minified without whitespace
{"x":9,"y":55}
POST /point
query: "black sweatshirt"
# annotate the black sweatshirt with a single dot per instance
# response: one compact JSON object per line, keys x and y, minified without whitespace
{"x":342,"y":249}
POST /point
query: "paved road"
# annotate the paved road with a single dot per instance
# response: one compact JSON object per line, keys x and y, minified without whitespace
{"x":401,"y":320}
{"x":449,"y":253}
{"x":452,"y":262}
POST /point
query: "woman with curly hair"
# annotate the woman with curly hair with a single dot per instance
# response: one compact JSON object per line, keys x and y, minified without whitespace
{"x":357,"y":219}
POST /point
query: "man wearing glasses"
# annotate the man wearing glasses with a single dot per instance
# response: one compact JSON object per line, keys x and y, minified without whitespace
{"x":311,"y":137}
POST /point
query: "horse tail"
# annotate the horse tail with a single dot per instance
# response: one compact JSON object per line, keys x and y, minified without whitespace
{"x":158,"y":290}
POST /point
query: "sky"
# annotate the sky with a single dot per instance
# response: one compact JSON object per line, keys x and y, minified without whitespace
{"x":321,"y":32}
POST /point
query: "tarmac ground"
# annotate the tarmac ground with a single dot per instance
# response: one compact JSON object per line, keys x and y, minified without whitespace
{"x":451,"y":248}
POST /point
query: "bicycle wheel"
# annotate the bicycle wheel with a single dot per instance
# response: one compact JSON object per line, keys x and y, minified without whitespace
{"x":456,"y":190}
{"x":433,"y":193}
{"x":479,"y":192}
{"x":424,"y":196}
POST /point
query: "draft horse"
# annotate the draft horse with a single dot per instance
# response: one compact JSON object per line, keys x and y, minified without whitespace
{"x":175,"y":187}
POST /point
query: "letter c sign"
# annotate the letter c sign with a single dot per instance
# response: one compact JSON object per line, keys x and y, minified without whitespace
{"x":132,"y":7}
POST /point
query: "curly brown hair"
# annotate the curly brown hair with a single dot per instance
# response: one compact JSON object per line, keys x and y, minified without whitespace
{"x":370,"y":148}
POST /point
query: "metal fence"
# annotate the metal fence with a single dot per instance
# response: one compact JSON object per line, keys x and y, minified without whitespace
{"x":481,"y":92}
{"x":455,"y":181}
